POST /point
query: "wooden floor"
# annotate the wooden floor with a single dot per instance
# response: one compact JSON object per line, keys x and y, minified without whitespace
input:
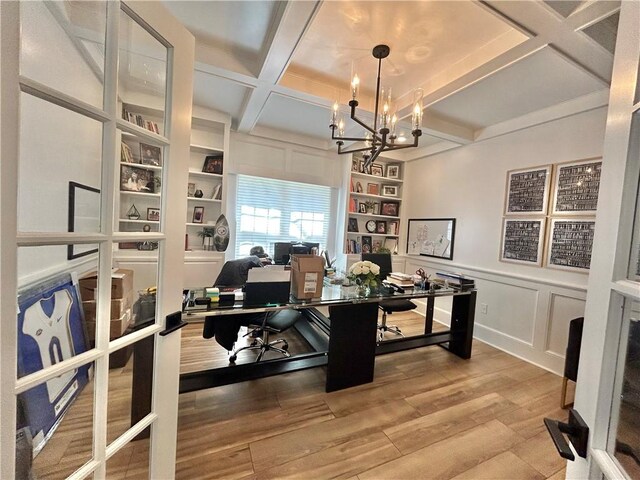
{"x":427,"y":415}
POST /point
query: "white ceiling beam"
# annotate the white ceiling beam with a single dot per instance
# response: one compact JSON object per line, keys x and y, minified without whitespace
{"x":288,"y":32}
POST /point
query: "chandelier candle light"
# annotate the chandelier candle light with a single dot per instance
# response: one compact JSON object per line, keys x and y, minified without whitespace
{"x":382,"y":139}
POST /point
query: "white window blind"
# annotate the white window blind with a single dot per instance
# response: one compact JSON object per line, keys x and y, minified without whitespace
{"x":269,"y":211}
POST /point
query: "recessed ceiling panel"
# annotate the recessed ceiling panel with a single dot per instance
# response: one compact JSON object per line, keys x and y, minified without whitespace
{"x":295,"y":116}
{"x":605,"y":32}
{"x":217,"y":93}
{"x":564,"y":7}
{"x":426,"y":39}
{"x":536,"y":82}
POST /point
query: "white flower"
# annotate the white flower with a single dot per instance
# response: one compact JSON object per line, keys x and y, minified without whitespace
{"x":356,"y":269}
{"x":367,"y":263}
{"x":375,"y":269}
{"x":365,"y":269}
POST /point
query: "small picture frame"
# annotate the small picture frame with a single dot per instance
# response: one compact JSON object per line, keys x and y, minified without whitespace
{"x":393,"y":228}
{"x":362,"y":207}
{"x":373,"y":189}
{"x":390,"y":190}
{"x":213,"y":164}
{"x":393,"y":171}
{"x":153,"y":214}
{"x":362,"y":168}
{"x":358,"y":187}
{"x":381,"y":227}
{"x":150,"y":155}
{"x":355,"y":165}
{"x":366,"y":244}
{"x":126,"y":154}
{"x":198,"y":214}
{"x":353,"y":225}
{"x":134,"y":179}
{"x":376,"y":208}
{"x":389,"y":209}
{"x":191,"y":189}
{"x":377,"y":170}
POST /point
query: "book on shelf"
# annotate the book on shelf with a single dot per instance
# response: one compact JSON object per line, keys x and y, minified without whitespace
{"x":140,"y":121}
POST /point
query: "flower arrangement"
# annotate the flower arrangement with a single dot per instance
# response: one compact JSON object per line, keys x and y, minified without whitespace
{"x":365,"y":274}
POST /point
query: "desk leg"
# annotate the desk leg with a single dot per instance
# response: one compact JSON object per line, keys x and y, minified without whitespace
{"x":428,"y":319}
{"x":142,"y":382}
{"x":462,"y":319}
{"x":352,"y":345}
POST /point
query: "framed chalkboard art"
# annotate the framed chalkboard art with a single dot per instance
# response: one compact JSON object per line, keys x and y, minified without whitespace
{"x":576,"y":186}
{"x":527,"y":191}
{"x":522,"y":240}
{"x":569,"y":244}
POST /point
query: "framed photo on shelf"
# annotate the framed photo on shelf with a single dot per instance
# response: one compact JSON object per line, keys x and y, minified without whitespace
{"x":376,"y":208}
{"x":213,"y":164}
{"x":393,"y":228}
{"x":569,"y":244}
{"x":377,"y":170}
{"x":527,"y":191}
{"x":393,"y":171}
{"x":575,"y":187}
{"x":134,"y":179}
{"x":150,"y":155}
{"x":522,"y":240}
{"x":390,"y":190}
{"x":366,"y":244}
{"x":153,"y":214}
{"x":355,"y":165}
{"x":191,"y":189}
{"x":353,"y":225}
{"x":126,"y":154}
{"x":198,"y":214}
{"x":362,"y":169}
{"x":362,"y":207}
{"x":373,"y":188}
{"x":381,"y":227}
{"x":431,"y":237}
{"x":389,"y":208}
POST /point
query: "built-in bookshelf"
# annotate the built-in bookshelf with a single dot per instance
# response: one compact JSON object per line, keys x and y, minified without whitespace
{"x":374,"y":203}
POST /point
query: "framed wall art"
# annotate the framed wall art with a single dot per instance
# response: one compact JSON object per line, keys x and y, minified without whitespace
{"x":522,"y":240}
{"x":527,"y":191}
{"x":393,"y":171}
{"x":569,"y":244}
{"x":83,"y":216}
{"x":150,"y":155}
{"x":431,"y":237}
{"x":575,"y":187}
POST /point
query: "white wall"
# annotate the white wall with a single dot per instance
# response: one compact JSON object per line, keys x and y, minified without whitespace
{"x":528,"y":308}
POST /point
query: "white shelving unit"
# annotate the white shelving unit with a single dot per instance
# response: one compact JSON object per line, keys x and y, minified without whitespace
{"x":366,"y":202}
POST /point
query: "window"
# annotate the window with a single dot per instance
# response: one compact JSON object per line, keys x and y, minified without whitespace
{"x":270,"y":211}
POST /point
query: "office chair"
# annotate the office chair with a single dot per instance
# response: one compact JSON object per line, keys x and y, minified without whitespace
{"x":234,"y":273}
{"x":383,"y":260}
{"x":571,"y":358}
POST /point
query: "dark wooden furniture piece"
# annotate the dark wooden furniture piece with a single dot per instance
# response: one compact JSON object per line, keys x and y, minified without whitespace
{"x":571,"y":358}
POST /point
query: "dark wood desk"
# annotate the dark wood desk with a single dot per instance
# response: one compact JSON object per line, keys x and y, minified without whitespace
{"x":345,"y":342}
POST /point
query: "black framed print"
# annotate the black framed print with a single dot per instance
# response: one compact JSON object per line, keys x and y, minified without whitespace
{"x":83,"y":216}
{"x":569,"y":244}
{"x":431,"y":237}
{"x":150,"y":155}
{"x":575,"y":187}
{"x":522,"y":240}
{"x":527,"y":191}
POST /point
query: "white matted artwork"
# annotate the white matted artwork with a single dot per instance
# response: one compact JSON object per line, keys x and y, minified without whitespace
{"x":527,"y":191}
{"x":431,"y":237}
{"x":522,"y":240}
{"x":569,"y":244}
{"x":575,"y":187}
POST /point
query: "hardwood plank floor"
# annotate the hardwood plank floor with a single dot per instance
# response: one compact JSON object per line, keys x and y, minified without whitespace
{"x":428,"y":414}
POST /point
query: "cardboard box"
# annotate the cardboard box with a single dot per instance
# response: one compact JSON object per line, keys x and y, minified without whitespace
{"x":117,"y":326}
{"x":307,"y":273}
{"x":121,"y":284}
{"x":118,"y":307}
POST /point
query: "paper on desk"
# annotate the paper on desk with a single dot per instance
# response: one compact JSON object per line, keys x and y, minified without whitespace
{"x":268,"y":274}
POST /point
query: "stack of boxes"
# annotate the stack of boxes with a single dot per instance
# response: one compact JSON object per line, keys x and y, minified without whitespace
{"x":122,"y":296}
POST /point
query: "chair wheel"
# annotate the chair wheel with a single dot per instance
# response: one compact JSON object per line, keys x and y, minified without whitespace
{"x":285,"y":346}
{"x":232,"y":358}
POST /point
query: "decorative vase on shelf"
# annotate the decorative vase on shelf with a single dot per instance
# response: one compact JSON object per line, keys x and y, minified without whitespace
{"x":366,"y":276}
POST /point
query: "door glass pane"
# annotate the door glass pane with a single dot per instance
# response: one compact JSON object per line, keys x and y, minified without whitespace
{"x":55,"y":423}
{"x":624,"y":432}
{"x":140,"y":179}
{"x":131,"y":461}
{"x":62,"y":46}
{"x":634,"y":156}
{"x":142,"y":75}
{"x":58,"y":148}
{"x":52,"y":326}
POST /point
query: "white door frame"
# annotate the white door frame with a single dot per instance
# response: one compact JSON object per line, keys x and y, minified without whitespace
{"x":163,"y":418}
{"x":610,"y":258}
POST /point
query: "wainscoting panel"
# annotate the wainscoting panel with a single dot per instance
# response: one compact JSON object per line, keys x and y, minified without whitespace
{"x":562,"y":310}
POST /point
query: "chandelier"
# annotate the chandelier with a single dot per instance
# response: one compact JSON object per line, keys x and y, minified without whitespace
{"x":382,"y":137}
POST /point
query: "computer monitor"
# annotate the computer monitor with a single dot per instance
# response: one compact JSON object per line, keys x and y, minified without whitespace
{"x":282,"y":250}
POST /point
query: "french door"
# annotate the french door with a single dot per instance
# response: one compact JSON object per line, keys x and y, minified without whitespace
{"x":88,"y":381}
{"x":608,"y":386}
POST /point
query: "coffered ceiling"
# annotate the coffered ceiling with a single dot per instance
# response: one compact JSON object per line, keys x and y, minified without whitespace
{"x":486,"y":67}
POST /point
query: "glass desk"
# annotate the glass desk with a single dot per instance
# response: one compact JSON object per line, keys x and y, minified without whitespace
{"x":345,"y":342}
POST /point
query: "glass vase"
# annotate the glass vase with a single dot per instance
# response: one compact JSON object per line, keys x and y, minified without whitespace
{"x":362,"y":290}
